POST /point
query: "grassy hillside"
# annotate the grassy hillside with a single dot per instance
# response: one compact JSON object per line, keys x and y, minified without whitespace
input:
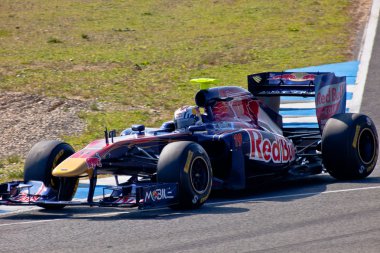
{"x":140,"y":55}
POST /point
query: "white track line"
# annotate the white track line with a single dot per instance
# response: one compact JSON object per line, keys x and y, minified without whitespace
{"x":365,"y":56}
{"x":207,"y":204}
{"x":28,"y":222}
{"x":58,"y":219}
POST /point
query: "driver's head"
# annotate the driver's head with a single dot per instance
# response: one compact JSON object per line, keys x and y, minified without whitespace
{"x":187,"y":116}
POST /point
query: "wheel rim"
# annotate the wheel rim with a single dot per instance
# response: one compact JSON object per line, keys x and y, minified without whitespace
{"x":199,"y":175}
{"x":366,"y":146}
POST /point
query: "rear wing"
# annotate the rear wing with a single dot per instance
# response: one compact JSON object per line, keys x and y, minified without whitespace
{"x":284,"y":83}
{"x":329,"y":90}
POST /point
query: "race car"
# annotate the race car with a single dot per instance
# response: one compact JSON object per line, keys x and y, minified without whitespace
{"x":230,"y":139}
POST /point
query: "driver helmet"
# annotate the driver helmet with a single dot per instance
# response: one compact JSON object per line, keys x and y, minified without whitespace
{"x":187,"y":116}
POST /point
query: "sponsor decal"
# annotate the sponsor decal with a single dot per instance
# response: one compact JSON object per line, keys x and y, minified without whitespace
{"x":57,"y":157}
{"x":158,"y":194}
{"x":95,"y":161}
{"x":284,"y":76}
{"x":188,"y":161}
{"x":354,"y":142}
{"x":257,"y":78}
{"x":241,"y":110}
{"x":205,"y":198}
{"x":195,"y":199}
{"x":309,"y":77}
{"x":274,"y":149}
{"x":371,"y":166}
{"x":295,"y":77}
{"x":330,"y":97}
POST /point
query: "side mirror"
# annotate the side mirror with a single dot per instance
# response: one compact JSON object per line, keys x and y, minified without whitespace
{"x":138,"y":128}
{"x":168,"y":126}
{"x":112,"y":133}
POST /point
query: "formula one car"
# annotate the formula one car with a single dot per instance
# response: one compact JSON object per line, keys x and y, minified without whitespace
{"x":231,"y":139}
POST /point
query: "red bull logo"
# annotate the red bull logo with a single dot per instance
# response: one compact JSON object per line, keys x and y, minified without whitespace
{"x":295,"y":77}
{"x":285,"y":76}
{"x":329,"y":95}
{"x":330,"y":98}
{"x":276,"y":150}
{"x":93,"y":162}
{"x":309,"y":77}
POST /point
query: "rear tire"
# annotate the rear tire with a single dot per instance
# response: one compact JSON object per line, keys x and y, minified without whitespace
{"x":187,"y":164}
{"x":39,"y":164}
{"x":350,"y":146}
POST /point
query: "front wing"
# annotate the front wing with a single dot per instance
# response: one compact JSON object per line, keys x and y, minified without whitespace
{"x":142,"y":195}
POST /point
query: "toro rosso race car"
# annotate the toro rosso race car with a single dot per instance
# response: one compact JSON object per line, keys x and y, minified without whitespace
{"x":231,"y":139}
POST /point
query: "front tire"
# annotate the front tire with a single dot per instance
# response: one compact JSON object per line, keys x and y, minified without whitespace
{"x":350,"y":146}
{"x":39,"y":164}
{"x":187,"y":164}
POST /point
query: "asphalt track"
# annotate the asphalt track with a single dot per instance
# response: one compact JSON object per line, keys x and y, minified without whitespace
{"x":315,"y":214}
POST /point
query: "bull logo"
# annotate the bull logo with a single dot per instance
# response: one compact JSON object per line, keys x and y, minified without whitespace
{"x":95,"y":161}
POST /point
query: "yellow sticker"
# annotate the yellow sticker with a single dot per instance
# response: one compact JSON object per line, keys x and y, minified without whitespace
{"x":356,"y":136}
{"x":57,"y":157}
{"x":188,"y":161}
{"x":371,"y":167}
{"x":205,"y":197}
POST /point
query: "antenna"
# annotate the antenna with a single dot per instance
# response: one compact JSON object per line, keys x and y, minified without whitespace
{"x":106,"y":136}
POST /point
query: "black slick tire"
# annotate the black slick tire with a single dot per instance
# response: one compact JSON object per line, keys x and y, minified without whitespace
{"x":39,"y":164}
{"x":187,"y":164}
{"x":350,"y":146}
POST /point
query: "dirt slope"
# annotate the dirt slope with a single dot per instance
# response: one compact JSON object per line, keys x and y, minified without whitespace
{"x":26,"y":119}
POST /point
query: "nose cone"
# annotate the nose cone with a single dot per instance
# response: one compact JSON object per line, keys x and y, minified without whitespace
{"x":71,"y":167}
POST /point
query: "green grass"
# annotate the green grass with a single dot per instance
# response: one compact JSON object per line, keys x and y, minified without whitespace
{"x":118,"y":120}
{"x":142,"y":54}
{"x":11,"y":168}
{"x":116,"y":51}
